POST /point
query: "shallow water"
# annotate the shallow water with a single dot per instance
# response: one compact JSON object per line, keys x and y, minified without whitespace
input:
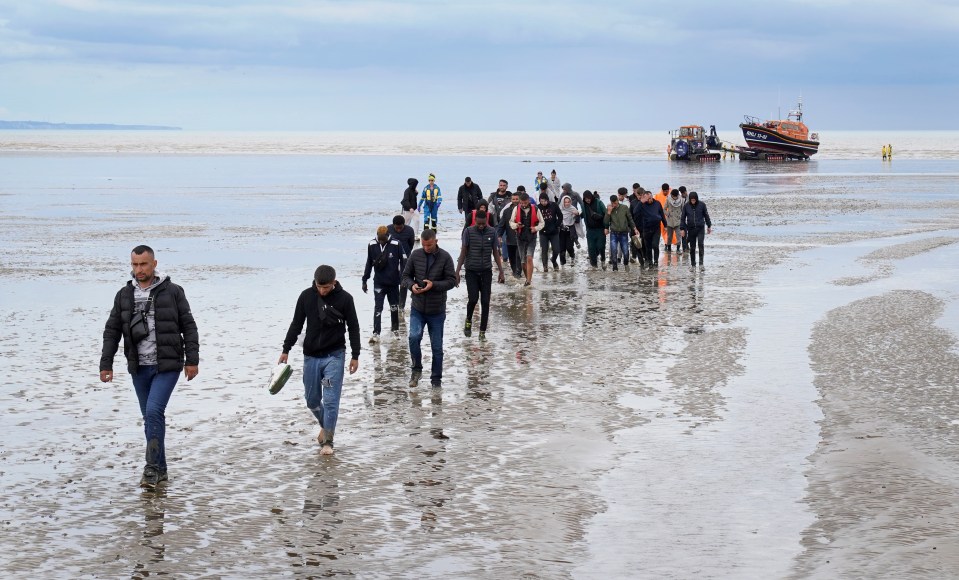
{"x":655,"y":424}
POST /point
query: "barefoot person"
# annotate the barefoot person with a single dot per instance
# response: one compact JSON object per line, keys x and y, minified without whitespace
{"x":329,"y":312}
{"x":159,"y":335}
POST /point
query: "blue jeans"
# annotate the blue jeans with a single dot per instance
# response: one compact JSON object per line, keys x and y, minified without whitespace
{"x":153,"y":392}
{"x":434,"y":323}
{"x":323,"y":382}
{"x":618,"y":246}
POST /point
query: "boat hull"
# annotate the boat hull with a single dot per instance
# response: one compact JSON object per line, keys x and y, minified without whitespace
{"x":762,"y":138}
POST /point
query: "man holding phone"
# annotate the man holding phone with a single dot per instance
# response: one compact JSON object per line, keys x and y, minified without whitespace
{"x":429,"y":274}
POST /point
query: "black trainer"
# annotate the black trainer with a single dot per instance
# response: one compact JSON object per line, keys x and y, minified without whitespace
{"x":150,"y":477}
{"x":468,"y":328}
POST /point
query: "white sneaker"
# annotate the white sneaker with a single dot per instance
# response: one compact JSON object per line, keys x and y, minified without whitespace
{"x":375,"y":338}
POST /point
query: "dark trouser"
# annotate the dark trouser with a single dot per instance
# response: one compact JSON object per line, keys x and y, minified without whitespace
{"x":153,"y":393}
{"x":547,"y":241}
{"x":479,"y":285}
{"x":514,"y":264}
{"x":695,"y":238}
{"x":650,"y":254}
{"x":567,"y":243}
{"x":391,"y":293}
{"x":403,"y":292}
{"x":595,"y":245}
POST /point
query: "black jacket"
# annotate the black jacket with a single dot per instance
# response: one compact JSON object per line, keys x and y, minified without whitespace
{"x":410,"y":195}
{"x":386,"y":272}
{"x":406,"y":237}
{"x":328,"y":336}
{"x":498,"y":202}
{"x":502,"y":225}
{"x":650,"y":216}
{"x":468,"y":197}
{"x":441,"y":272}
{"x":593,"y":214}
{"x":176,"y":334}
{"x":552,"y":218}
{"x":695,"y":216}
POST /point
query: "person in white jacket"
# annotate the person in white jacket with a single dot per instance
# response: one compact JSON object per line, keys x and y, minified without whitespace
{"x":555,"y":188}
{"x":526,"y":222}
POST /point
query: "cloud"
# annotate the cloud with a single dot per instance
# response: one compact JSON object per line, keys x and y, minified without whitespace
{"x":478,"y":63}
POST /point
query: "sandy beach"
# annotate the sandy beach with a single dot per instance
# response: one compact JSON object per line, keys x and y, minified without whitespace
{"x":789,"y":411}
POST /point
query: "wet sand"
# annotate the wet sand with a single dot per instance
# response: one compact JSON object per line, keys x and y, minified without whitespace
{"x":788,"y":411}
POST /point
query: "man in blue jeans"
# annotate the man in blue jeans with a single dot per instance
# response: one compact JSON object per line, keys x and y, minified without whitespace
{"x":153,"y":316}
{"x":328,"y":311}
{"x":429,"y":274}
{"x":619,"y":225}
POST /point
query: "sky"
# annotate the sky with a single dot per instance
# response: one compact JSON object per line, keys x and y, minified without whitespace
{"x":340,"y":65}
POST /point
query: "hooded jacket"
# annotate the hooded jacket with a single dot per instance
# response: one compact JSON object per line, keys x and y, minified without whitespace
{"x":326,"y":336}
{"x":674,"y":210}
{"x":410,"y":196}
{"x":574,"y":196}
{"x":594,"y":214}
{"x":177,"y":338}
{"x":695,"y":215}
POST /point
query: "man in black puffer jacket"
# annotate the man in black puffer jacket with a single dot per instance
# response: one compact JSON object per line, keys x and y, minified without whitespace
{"x":429,"y":274}
{"x":159,"y":335}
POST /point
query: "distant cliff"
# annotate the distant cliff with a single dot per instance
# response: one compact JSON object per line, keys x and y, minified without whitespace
{"x":24,"y":125}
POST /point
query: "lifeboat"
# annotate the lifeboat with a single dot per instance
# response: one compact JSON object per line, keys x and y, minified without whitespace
{"x":789,"y":137}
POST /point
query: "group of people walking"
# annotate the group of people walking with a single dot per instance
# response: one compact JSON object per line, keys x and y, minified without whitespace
{"x":505,"y":228}
{"x":160,"y":337}
{"x":556,"y":218}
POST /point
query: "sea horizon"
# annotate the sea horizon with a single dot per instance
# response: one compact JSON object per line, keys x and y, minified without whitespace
{"x":647,"y":144}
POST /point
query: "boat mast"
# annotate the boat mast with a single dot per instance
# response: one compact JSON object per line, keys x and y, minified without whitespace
{"x":797,"y":114}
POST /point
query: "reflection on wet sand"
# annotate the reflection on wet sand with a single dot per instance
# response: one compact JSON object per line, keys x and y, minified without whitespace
{"x":153,"y":505}
{"x":584,"y":375}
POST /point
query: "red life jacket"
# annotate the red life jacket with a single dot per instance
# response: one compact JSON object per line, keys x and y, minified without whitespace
{"x":533,"y":217}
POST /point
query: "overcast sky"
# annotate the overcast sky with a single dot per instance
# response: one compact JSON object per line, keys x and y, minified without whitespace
{"x":489,"y":64}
